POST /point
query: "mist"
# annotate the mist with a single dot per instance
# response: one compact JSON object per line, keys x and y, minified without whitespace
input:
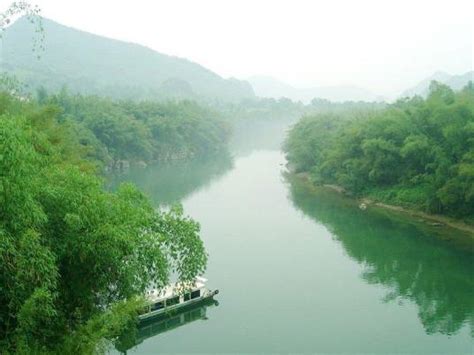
{"x":236,"y":177}
{"x":302,"y":43}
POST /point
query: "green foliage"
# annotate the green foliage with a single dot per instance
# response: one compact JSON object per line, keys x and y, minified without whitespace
{"x":114,"y":131}
{"x":416,"y":152}
{"x":308,"y":138}
{"x":34,"y":320}
{"x":11,"y":84}
{"x":94,"y":335}
{"x":74,"y":256}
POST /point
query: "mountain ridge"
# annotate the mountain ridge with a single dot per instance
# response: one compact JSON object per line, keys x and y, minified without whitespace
{"x":455,"y":82}
{"x":93,"y":64}
{"x":267,"y":86}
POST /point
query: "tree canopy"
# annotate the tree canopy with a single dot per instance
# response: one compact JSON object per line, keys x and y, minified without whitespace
{"x":139,"y":131}
{"x":71,"y":252}
{"x":416,"y":152}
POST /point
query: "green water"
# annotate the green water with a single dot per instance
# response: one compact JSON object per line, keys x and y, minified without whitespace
{"x":302,"y":270}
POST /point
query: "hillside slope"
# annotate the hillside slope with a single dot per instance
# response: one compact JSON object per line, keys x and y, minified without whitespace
{"x":455,"y":82}
{"x":265,"y":86}
{"x":89,"y":63}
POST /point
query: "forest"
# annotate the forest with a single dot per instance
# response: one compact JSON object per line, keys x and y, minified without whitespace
{"x":417,"y":153}
{"x":64,"y":285}
{"x":130,"y":173}
{"x":115,"y":131}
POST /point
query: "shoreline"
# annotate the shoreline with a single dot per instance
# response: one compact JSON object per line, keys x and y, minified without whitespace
{"x":432,"y":220}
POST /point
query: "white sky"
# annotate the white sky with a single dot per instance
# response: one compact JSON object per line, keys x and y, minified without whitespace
{"x":385,"y":46}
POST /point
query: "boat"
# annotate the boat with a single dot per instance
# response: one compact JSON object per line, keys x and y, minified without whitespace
{"x":152,"y":327}
{"x":173,"y":298}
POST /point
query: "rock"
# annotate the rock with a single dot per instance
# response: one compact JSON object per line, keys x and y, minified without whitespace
{"x":121,"y":165}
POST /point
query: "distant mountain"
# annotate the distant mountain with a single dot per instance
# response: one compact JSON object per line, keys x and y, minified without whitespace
{"x":88,"y":63}
{"x":456,"y":82}
{"x":265,"y":86}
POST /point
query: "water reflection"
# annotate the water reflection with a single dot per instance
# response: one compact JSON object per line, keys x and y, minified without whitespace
{"x":169,"y":183}
{"x":413,"y":264}
{"x":136,"y":335}
{"x":166,"y":183}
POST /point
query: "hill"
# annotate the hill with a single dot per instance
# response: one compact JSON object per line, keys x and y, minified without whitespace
{"x":265,"y":86}
{"x":455,"y":82}
{"x":92,"y":64}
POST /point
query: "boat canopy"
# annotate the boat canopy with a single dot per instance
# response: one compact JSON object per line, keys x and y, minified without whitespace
{"x":170,"y":291}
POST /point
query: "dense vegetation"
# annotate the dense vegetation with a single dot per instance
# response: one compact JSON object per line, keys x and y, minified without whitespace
{"x":417,"y":153}
{"x":115,"y":131}
{"x":111,"y":68}
{"x":74,"y":258}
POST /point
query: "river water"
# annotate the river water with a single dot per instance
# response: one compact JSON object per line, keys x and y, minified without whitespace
{"x":305,"y":270}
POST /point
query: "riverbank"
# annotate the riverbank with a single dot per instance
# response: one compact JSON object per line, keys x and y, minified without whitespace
{"x":426,"y":218}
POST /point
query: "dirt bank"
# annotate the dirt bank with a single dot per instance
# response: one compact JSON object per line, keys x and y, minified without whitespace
{"x":430,"y":219}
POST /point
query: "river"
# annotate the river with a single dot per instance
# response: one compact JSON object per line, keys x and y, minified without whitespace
{"x":305,"y":270}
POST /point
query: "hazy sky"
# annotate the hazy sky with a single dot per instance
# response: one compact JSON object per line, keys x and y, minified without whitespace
{"x":384,"y":46}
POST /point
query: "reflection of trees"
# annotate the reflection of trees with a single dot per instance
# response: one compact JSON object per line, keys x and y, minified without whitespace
{"x":168,"y":183}
{"x":135,"y":335}
{"x":434,"y":274}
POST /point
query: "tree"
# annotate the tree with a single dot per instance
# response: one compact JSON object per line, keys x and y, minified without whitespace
{"x":415,"y":152}
{"x":71,"y":252}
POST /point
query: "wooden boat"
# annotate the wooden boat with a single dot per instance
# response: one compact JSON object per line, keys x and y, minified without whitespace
{"x":171,"y":298}
{"x":154,"y":326}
